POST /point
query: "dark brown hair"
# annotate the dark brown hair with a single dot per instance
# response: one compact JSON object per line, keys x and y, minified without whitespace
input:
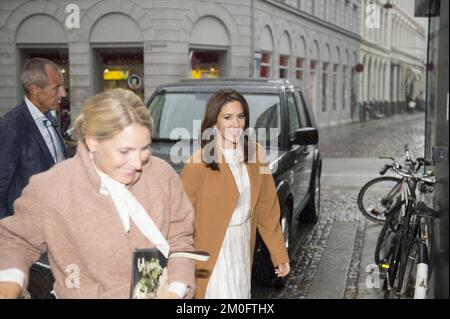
{"x":213,"y":108}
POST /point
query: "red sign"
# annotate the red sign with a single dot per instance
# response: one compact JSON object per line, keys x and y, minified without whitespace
{"x":359,"y":67}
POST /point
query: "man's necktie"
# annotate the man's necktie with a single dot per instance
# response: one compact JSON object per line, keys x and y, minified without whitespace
{"x":57,"y":147}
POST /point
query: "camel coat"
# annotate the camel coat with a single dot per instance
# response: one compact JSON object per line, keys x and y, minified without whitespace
{"x":62,"y":212}
{"x":214,"y":195}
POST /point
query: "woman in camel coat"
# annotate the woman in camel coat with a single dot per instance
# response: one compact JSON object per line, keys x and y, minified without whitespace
{"x":233,"y":194}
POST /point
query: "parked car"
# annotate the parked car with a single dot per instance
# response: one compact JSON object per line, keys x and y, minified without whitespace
{"x":291,"y":146}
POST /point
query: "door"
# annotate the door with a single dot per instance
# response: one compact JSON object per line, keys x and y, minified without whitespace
{"x":308,"y":151}
{"x":296,"y":152}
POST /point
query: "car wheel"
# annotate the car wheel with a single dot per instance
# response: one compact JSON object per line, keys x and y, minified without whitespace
{"x":312,"y":210}
{"x":263,"y":273}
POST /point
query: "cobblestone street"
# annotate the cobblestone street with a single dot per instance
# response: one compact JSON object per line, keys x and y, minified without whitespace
{"x":374,"y":138}
{"x":331,"y":260}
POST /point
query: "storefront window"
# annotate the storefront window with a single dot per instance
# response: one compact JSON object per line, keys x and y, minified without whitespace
{"x":284,"y":66}
{"x":344,"y":86}
{"x":335,"y":86}
{"x":207,"y":64}
{"x":312,"y":83}
{"x":265,"y":64}
{"x":299,"y":68}
{"x":120,"y":68}
{"x":324,"y":87}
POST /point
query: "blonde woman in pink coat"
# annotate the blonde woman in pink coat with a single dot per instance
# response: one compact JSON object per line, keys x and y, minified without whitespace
{"x":87,"y":212}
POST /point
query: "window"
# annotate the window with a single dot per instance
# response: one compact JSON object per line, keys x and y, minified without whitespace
{"x":207,"y":64}
{"x":119,"y":68}
{"x":175,"y":112}
{"x":324,"y":87}
{"x":312,"y":82}
{"x":299,"y":68}
{"x":355,"y":21}
{"x":284,"y":66}
{"x":265,"y":65}
{"x":333,"y":12}
{"x":294,"y":123}
{"x":347,"y":18}
{"x":344,"y":86}
{"x":335,"y":86}
{"x":304,"y":115}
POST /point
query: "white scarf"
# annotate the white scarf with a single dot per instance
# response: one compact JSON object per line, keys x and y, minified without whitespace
{"x":128,"y":206}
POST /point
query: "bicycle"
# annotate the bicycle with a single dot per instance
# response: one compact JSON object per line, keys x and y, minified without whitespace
{"x":377,"y":196}
{"x":407,"y":234}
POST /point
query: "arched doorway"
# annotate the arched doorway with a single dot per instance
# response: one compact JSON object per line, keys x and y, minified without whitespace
{"x":209,"y":47}
{"x":117,"y":54}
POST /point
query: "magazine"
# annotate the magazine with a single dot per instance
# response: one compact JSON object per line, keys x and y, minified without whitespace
{"x":149,"y":271}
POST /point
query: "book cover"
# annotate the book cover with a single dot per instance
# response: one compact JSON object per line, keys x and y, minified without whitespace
{"x":149,"y":273}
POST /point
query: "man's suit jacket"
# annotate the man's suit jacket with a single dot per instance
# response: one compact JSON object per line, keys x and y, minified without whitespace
{"x":23,"y":153}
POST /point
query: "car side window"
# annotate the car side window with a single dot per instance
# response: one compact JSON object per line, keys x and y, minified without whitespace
{"x":304,"y":115}
{"x":294,"y":123}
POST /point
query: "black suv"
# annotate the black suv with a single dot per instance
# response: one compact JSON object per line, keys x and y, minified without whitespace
{"x":292,"y":144}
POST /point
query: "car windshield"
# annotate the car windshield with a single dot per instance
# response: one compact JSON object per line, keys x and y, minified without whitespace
{"x":178,"y":115}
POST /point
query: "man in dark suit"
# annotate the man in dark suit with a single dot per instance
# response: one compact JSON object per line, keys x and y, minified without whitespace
{"x":30,"y":142}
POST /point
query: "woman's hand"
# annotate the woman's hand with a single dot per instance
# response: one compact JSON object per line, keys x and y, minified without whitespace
{"x":282,"y":269}
{"x":10,"y":290}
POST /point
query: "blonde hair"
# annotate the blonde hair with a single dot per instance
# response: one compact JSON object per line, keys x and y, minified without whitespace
{"x":106,"y":114}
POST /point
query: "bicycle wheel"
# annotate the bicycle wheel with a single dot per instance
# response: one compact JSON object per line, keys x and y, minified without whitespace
{"x":377,"y":196}
{"x":383,"y":249}
{"x":408,"y":280}
{"x":392,"y":280}
{"x":418,"y":264}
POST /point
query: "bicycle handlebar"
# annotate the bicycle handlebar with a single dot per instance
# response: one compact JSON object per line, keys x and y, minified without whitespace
{"x":384,"y":169}
{"x":414,"y":166}
{"x":397,"y":168}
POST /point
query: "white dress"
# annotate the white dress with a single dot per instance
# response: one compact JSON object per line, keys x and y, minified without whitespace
{"x":231,"y":277}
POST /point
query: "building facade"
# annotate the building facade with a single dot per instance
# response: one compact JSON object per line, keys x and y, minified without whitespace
{"x":141,"y":44}
{"x":393,"y":53}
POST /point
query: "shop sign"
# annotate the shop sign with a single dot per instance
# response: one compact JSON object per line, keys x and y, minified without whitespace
{"x":134,"y":82}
